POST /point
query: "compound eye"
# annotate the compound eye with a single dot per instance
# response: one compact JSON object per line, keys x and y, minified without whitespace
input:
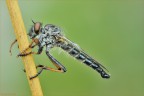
{"x":37,"y":27}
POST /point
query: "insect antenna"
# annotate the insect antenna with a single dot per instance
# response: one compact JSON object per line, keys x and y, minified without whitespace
{"x":33,"y":21}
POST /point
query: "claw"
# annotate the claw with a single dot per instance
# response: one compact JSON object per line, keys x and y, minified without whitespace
{"x":31,"y":77}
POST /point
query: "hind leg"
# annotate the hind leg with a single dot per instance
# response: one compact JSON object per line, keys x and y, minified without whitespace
{"x":45,"y":68}
{"x":55,"y":62}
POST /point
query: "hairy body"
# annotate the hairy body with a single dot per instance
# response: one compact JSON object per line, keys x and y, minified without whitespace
{"x":50,"y":36}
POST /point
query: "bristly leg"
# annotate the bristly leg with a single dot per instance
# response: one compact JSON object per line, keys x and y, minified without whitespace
{"x":30,"y":46}
{"x":12,"y":45}
{"x":45,"y":68}
{"x":25,"y":54}
{"x":55,"y":62}
{"x":60,"y":67}
{"x":38,"y":66}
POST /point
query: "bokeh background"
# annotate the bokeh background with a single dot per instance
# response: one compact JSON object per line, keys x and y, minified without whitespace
{"x":112,"y":31}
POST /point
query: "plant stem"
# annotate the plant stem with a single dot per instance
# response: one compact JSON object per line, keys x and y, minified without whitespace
{"x":23,"y":43}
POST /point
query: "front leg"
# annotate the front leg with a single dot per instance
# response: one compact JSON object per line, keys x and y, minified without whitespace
{"x":30,"y":46}
{"x":25,"y":54}
{"x":12,"y":45}
{"x":36,"y":41}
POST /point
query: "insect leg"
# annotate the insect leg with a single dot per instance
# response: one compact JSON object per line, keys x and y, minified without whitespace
{"x":12,"y":45}
{"x":30,"y":46}
{"x":39,"y":52}
{"x":56,"y":63}
{"x":45,"y":68}
{"x":38,"y":66}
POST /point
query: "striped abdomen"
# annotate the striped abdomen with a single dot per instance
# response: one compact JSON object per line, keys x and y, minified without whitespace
{"x":80,"y":55}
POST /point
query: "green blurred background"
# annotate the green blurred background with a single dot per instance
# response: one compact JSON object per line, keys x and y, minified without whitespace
{"x":112,"y":31}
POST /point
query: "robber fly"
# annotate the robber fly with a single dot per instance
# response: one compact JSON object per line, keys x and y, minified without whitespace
{"x":50,"y":36}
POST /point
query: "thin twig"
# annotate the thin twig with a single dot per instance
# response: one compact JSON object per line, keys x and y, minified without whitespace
{"x":23,"y":43}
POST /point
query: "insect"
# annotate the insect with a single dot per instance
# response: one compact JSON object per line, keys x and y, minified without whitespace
{"x":50,"y":36}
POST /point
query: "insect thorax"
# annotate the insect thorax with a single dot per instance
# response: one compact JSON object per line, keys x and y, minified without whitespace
{"x":52,"y":30}
{"x":48,"y":36}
